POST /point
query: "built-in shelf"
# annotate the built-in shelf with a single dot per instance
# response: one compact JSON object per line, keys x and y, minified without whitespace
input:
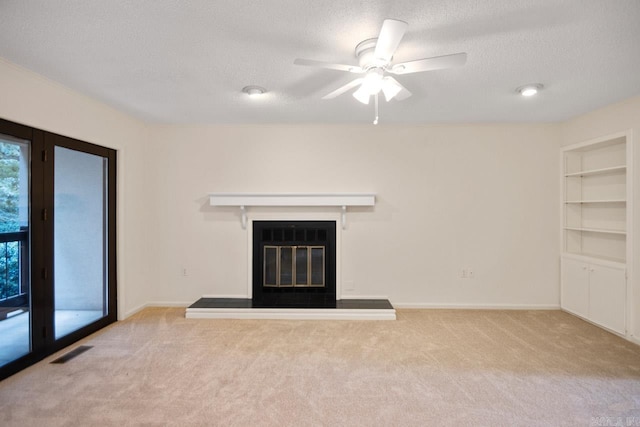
{"x":244,"y":200}
{"x":596,"y":230}
{"x":601,"y":171}
{"x":595,"y":201}
{"x":583,"y":256}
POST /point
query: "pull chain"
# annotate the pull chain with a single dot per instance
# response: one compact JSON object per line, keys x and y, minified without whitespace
{"x":375,"y":121}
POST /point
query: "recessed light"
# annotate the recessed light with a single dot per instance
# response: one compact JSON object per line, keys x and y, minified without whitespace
{"x":254,"y":91}
{"x":530,"y":89}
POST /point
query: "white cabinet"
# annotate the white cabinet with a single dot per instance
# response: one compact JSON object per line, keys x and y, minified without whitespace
{"x":575,"y":287}
{"x":595,"y":291}
{"x":596,"y":229}
{"x":607,"y":297}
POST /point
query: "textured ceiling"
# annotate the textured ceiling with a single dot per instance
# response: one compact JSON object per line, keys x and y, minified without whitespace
{"x":172,"y":61}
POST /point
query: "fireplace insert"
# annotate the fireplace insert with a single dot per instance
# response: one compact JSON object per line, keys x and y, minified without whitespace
{"x":294,"y":264}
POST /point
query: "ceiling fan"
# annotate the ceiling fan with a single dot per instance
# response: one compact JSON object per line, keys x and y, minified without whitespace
{"x":374,"y":59}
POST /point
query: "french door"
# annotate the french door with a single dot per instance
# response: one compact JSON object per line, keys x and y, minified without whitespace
{"x":57,"y":243}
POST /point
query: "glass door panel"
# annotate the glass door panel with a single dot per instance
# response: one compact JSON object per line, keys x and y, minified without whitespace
{"x":80,"y":239}
{"x":57,"y":243}
{"x":15,"y":283}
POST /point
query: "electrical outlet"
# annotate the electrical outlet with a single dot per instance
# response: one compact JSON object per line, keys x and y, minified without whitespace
{"x":184,"y":272}
{"x":463,"y":273}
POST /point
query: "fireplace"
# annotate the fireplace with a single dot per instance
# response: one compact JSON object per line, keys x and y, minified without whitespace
{"x":294,"y":264}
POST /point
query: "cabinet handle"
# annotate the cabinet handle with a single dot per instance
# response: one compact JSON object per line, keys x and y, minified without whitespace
{"x":584,"y":268}
{"x":592,"y":270}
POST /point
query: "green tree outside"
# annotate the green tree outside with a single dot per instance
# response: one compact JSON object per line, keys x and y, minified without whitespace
{"x":9,"y":220}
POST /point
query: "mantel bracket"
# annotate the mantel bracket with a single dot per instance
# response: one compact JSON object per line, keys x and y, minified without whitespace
{"x":343,"y":217}
{"x":243,"y":213}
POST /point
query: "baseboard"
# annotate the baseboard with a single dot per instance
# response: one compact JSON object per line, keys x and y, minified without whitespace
{"x":169,"y":303}
{"x":134,"y":311}
{"x":476,"y":306}
{"x":156,"y":304}
{"x":395,"y":305}
{"x":633,"y":339}
{"x":620,"y":334}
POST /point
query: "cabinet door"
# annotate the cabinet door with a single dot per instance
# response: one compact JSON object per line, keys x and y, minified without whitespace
{"x":607,"y":295}
{"x":575,"y":287}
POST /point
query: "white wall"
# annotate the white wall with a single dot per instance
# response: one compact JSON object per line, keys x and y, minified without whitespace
{"x":483,"y":197}
{"x":30,"y":99}
{"x":611,"y":119}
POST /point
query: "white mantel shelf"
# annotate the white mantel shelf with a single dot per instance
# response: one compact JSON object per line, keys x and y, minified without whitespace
{"x":244,"y":200}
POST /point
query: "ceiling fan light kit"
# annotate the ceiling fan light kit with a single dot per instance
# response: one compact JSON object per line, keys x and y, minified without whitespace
{"x":362,"y":95}
{"x":390,"y":88}
{"x":374,"y":60}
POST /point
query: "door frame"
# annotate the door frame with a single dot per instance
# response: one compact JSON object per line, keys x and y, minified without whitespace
{"x":41,"y":245}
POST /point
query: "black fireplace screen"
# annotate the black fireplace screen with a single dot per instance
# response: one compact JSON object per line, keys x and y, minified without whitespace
{"x":294,"y":256}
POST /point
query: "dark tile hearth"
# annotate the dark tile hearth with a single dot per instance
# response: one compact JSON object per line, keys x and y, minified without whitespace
{"x":295,"y":301}
{"x":292,"y":307}
{"x":311,"y":302}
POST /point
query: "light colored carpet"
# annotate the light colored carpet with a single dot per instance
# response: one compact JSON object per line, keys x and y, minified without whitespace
{"x":430,"y":367}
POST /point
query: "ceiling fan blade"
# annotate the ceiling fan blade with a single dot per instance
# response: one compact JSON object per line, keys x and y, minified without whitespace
{"x":328,"y":65}
{"x":391,"y":33}
{"x":428,"y":64}
{"x":343,"y":89}
{"x":403,"y":93}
